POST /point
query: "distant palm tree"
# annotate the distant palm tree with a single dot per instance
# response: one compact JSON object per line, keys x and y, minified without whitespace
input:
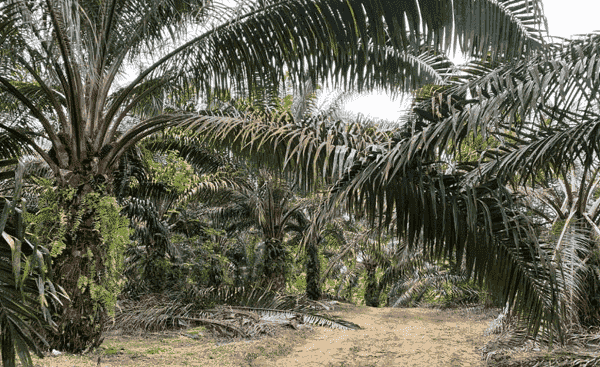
{"x":267,"y":204}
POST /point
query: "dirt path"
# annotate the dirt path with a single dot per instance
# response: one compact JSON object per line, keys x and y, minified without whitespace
{"x":395,"y":337}
{"x":390,"y":337}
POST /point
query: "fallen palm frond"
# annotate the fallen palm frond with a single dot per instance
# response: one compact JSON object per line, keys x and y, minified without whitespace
{"x":205,"y":298}
{"x":334,"y":298}
{"x":157,"y":312}
{"x":557,"y":358}
{"x":303,"y":317}
{"x":581,"y":348}
{"x":222,"y":327}
{"x":150,"y":314}
{"x":301,"y":303}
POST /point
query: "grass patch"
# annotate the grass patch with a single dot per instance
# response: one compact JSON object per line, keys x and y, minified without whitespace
{"x":155,"y":350}
{"x":197,"y":331}
{"x":111,"y":351}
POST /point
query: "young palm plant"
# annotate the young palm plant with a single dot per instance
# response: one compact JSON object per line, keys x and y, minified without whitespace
{"x":267,"y":203}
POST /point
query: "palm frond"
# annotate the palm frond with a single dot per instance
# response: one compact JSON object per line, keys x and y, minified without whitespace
{"x":545,"y":151}
{"x":27,"y":291}
{"x":308,"y":318}
{"x":190,"y":148}
{"x":451,"y":220}
{"x":534,"y":106}
{"x":340,"y":36}
{"x":313,"y":151}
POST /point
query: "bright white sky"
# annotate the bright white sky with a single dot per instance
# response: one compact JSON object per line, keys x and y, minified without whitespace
{"x":565,"y":18}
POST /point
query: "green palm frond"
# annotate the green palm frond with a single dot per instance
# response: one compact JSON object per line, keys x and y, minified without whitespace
{"x":314,"y":151}
{"x":545,"y":151}
{"x":213,"y":189}
{"x":534,"y":106}
{"x":31,"y":91}
{"x":359,"y":43}
{"x":27,"y":294}
{"x":451,"y":220}
{"x":328,"y":26}
{"x":131,"y":166}
{"x":189,"y":147}
{"x":402,"y":263}
{"x":14,"y":143}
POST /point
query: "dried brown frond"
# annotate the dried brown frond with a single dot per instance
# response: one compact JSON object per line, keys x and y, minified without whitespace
{"x":158,"y":313}
{"x":514,"y":348}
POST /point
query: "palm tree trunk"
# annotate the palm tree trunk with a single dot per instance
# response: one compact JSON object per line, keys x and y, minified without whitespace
{"x":371,"y":290}
{"x":313,"y":272}
{"x":80,"y":321}
{"x":154,"y":272}
{"x":87,"y":265}
{"x":274,"y":267}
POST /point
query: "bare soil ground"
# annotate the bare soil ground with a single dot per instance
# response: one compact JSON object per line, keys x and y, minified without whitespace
{"x":389,"y":337}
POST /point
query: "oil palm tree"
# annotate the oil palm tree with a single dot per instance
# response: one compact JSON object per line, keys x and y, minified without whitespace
{"x":160,"y":175}
{"x":266,"y":203}
{"x":64,"y":65}
{"x":542,"y":113}
{"x":568,"y":207}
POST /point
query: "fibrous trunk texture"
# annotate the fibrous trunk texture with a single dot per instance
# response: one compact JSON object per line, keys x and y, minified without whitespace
{"x":81,"y":319}
{"x":372,"y":290}
{"x":313,"y":272}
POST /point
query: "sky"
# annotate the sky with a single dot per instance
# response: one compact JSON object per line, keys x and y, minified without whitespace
{"x":565,"y":18}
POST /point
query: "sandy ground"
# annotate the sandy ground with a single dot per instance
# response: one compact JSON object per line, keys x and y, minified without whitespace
{"x":389,"y":337}
{"x":395,"y":337}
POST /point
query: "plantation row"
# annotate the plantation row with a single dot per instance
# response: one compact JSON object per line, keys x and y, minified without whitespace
{"x":179,"y":153}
